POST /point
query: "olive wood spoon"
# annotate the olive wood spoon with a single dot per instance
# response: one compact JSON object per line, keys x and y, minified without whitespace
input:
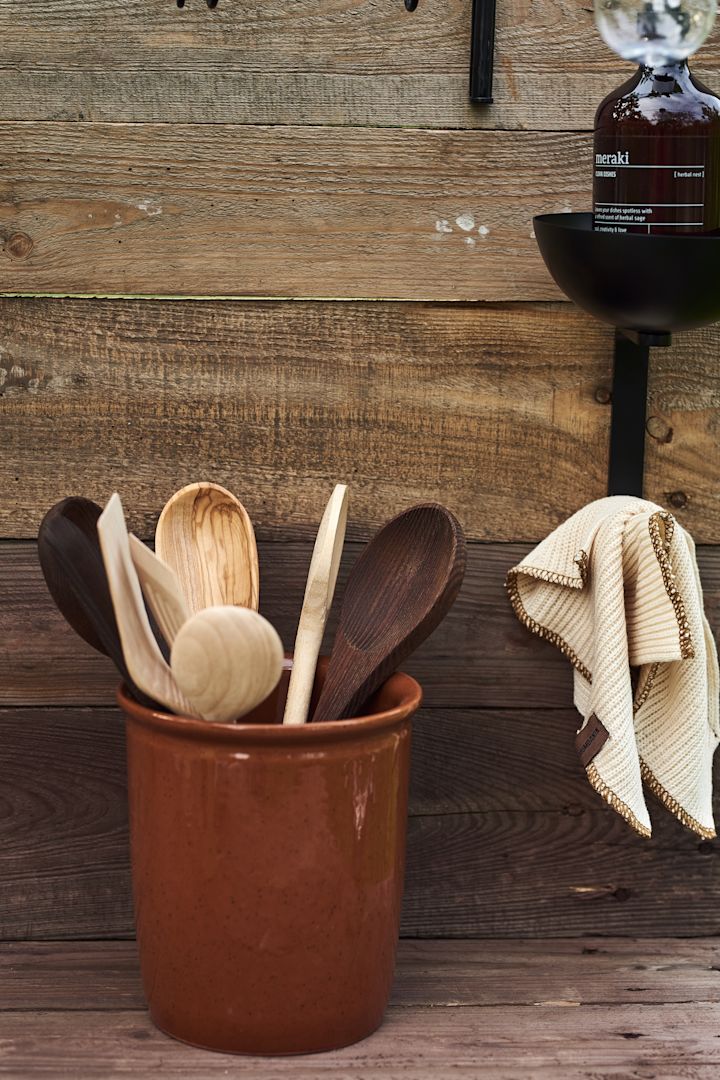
{"x":143,"y":658}
{"x":319,"y":592}
{"x":205,"y":535}
{"x":399,"y":590}
{"x":71,"y":560}
{"x":226,"y":660}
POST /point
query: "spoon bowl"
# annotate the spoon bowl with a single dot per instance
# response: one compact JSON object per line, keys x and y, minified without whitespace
{"x":205,"y":536}
{"x":399,"y":590}
{"x":226,"y":660}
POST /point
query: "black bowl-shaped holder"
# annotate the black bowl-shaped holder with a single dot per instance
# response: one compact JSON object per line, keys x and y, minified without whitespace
{"x":645,"y":286}
{"x":651,"y":284}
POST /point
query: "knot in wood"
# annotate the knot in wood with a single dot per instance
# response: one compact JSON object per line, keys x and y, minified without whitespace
{"x":19,"y":245}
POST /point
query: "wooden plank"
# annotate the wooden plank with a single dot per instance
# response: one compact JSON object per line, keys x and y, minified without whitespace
{"x":675,"y":1042}
{"x":308,"y":64}
{"x":506,"y":837}
{"x":178,"y":209}
{"x":491,"y":410}
{"x":683,"y":443}
{"x":480,"y":656}
{"x":91,"y":976}
{"x":514,"y":874}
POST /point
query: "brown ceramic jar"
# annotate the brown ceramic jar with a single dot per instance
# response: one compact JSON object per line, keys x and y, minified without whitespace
{"x":268,"y":870}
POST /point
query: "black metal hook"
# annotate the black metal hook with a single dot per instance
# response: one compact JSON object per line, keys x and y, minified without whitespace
{"x":410,"y":5}
{"x":482,"y":51}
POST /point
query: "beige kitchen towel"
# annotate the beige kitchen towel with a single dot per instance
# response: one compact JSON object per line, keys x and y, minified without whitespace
{"x":616,"y":589}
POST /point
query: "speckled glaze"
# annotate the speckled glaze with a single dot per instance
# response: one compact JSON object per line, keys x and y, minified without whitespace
{"x":268,"y":870}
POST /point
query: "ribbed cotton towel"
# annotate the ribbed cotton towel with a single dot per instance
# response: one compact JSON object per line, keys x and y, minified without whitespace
{"x":616,"y":589}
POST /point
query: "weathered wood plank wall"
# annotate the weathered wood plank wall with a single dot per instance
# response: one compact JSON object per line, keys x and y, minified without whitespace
{"x":323,"y":150}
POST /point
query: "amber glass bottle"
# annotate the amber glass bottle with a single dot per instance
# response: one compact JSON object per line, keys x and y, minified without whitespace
{"x":657,"y":155}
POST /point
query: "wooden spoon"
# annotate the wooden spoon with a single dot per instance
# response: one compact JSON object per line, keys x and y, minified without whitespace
{"x":143,"y":658}
{"x":161,"y":589}
{"x":226,"y":660}
{"x":82,"y":514}
{"x":319,"y":593}
{"x":400,"y":588}
{"x":73,"y":566}
{"x":205,"y":535}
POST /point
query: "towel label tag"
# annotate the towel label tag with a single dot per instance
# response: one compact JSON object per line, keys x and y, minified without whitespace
{"x":590,"y":740}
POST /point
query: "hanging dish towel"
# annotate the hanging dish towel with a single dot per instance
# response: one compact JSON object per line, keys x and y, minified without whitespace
{"x":616,"y":589}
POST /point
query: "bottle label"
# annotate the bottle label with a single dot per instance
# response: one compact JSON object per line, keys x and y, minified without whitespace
{"x":643,"y":184}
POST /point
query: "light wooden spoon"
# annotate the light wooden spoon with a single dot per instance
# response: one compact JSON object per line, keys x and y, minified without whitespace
{"x":205,"y":535}
{"x":143,"y":658}
{"x":319,"y":593}
{"x":161,"y":589}
{"x":226,"y":660}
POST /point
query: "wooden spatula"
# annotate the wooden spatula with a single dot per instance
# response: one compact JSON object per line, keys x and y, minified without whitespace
{"x":319,"y":593}
{"x":205,"y":536}
{"x":400,"y":588}
{"x":143,"y":658}
{"x":161,"y":589}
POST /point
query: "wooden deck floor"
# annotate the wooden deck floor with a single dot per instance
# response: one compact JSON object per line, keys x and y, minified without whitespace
{"x":588,"y":1009}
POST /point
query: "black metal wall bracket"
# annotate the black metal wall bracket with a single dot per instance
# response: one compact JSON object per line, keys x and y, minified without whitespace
{"x":629,"y":410}
{"x":650,"y":285}
{"x":482,"y":51}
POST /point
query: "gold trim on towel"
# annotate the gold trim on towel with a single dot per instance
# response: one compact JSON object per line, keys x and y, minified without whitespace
{"x":647,"y":687}
{"x":672,"y":804}
{"x":617,"y":804}
{"x":511,"y":584}
{"x":661,"y":547}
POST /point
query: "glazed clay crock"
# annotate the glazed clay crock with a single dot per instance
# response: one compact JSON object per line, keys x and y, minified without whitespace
{"x":268,"y":871}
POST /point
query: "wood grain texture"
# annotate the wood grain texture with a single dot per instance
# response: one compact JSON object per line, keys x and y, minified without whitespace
{"x":317,"y":604}
{"x":488,"y":409}
{"x":675,"y":1042}
{"x":205,"y":536}
{"x":176,"y":209}
{"x":398,"y":592}
{"x":226,"y":660}
{"x":148,"y":668}
{"x":479,"y":657}
{"x":506,"y":837}
{"x":93,"y":976}
{"x":311,"y":63}
{"x":160,"y":588}
{"x":276,"y":401}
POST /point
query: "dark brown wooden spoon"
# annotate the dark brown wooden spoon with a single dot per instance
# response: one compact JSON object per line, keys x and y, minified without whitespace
{"x":83,"y":513}
{"x":72,"y":563}
{"x":399,"y":590}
